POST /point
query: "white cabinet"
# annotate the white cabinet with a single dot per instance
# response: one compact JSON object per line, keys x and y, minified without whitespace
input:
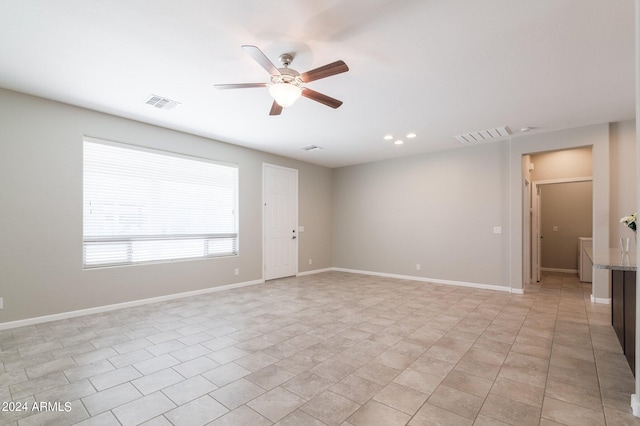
{"x":585,"y":267}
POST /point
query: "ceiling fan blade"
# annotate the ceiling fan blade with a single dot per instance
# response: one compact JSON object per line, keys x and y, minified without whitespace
{"x":261,"y":58}
{"x":328,"y":70}
{"x":239,"y":85}
{"x":276,"y":109}
{"x":319,"y":97}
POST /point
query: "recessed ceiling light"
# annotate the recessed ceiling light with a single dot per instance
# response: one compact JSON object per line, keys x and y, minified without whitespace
{"x":388,"y":138}
{"x":411,"y":135}
{"x":398,"y":142}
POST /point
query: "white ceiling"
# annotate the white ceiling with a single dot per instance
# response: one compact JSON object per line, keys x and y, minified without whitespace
{"x":438,"y":68}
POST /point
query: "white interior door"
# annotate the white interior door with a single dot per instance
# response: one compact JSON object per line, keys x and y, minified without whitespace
{"x":280,"y":219}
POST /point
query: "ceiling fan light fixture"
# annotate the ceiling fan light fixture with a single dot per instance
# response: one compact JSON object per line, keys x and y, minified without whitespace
{"x":285,"y":94}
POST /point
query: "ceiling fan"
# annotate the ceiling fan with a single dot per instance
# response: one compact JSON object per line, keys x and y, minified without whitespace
{"x":286,"y":83}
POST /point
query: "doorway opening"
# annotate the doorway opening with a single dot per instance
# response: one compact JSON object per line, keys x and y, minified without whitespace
{"x":557,"y":210}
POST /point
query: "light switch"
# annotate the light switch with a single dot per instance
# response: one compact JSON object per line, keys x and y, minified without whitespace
{"x":497,"y":229}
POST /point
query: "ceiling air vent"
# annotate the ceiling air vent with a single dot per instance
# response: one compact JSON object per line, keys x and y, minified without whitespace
{"x":484,"y":135}
{"x":312,"y":148}
{"x":160,"y":102}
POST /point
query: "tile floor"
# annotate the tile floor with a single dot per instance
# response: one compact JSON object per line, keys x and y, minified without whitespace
{"x":327,"y":349}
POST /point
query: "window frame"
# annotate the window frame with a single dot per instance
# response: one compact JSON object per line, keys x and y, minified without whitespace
{"x":130,"y":240}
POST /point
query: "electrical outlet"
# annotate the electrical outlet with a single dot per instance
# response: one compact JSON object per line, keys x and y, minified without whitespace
{"x":497,"y":229}
{"x":310,"y":261}
{"x":555,"y":229}
{"x":237,"y":271}
{"x":418,"y":267}
{"x":1,"y":302}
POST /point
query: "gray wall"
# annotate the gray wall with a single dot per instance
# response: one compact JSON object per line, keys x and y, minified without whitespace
{"x":624,"y":183}
{"x":564,"y":164}
{"x":41,"y":218}
{"x":438,"y":210}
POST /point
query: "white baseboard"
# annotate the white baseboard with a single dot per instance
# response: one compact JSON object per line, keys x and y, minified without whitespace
{"x":315,"y":271}
{"x":517,"y":290}
{"x":601,"y":300}
{"x":429,"y":280}
{"x":635,"y":404}
{"x":106,"y":308}
{"x":566,"y":271}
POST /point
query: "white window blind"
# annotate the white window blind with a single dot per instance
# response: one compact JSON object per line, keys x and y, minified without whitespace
{"x":143,"y":205}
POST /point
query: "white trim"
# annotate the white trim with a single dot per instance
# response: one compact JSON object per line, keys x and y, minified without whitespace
{"x":314,"y":271}
{"x":116,"y":306}
{"x":568,"y":271}
{"x":601,"y":300}
{"x":429,"y":280}
{"x":517,"y":291}
{"x":565,"y":180}
{"x":536,"y":198}
{"x":635,"y":404}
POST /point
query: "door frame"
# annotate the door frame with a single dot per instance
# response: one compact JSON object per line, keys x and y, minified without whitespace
{"x":526,"y":232}
{"x":265,"y":166}
{"x":535,"y":259}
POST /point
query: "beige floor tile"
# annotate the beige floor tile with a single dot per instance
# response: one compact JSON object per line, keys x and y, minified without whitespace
{"x":307,"y":385}
{"x":110,"y":398}
{"x":401,"y":398}
{"x":417,"y":380}
{"x":156,"y":381}
{"x":462,"y":403}
{"x":433,"y":366}
{"x":197,"y":412}
{"x":333,"y":370}
{"x":195,"y":366}
{"x":570,"y":414}
{"x":574,"y":377}
{"x":189,"y":389}
{"x":226,"y":374}
{"x":509,"y":411}
{"x":469,"y":383}
{"x":431,"y":415}
{"x":242,"y":415}
{"x":356,"y":388}
{"x":151,"y":365}
{"x":237,"y":393}
{"x":298,"y":418}
{"x":330,"y":408}
{"x":620,"y":418}
{"x":524,"y":375}
{"x":347,"y":347}
{"x":587,"y":398}
{"x":104,"y":419}
{"x":377,"y":372}
{"x":143,"y":409}
{"x":276,"y":404}
{"x":375,"y":413}
{"x":478,"y":368}
{"x":517,"y":391}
